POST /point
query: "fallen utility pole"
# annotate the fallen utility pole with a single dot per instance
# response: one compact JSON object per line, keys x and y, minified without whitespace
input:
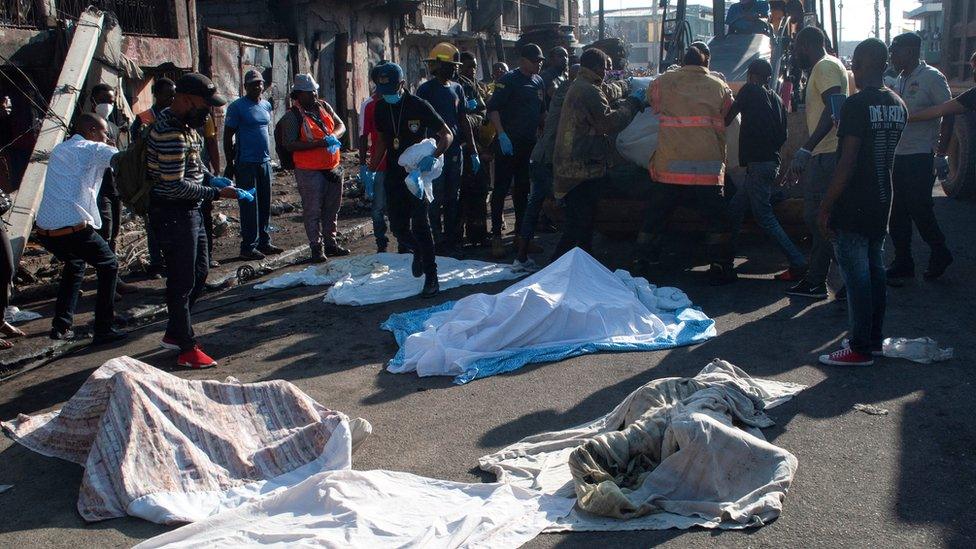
{"x":87,"y":31}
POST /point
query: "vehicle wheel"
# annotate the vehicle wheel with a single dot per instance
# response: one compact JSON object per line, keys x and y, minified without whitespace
{"x":961,"y":183}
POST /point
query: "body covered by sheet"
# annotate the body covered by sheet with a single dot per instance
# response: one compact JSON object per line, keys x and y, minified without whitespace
{"x":378,"y":509}
{"x":171,"y":450}
{"x":378,"y":278}
{"x":676,"y":453}
{"x":572,"y":307}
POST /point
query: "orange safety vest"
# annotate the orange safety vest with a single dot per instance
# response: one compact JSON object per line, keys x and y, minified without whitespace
{"x":315,"y":159}
{"x":691,"y":104}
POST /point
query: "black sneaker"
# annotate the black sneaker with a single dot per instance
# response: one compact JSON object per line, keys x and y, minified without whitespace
{"x":336,"y":251}
{"x":431,"y":286}
{"x":938,"y":262}
{"x":805,"y":289}
{"x":270,"y":249}
{"x":417,"y":266}
{"x":901,"y":269}
{"x":61,"y":335}
{"x":720,"y":275}
{"x":110,"y":336}
{"x":251,"y":254}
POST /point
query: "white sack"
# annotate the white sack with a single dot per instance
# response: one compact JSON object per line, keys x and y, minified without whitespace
{"x":638,"y":141}
{"x":372,"y":509}
{"x":421,"y":183}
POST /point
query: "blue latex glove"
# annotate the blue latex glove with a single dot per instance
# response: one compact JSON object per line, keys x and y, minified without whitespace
{"x":363,"y":173}
{"x":639,"y":94}
{"x":475,"y":164}
{"x":505,"y":144}
{"x":800,"y":161}
{"x":369,"y":185}
{"x":246,"y":196}
{"x":472,"y":104}
{"x":426,"y":163}
{"x":332,"y":143}
{"x":220,"y":182}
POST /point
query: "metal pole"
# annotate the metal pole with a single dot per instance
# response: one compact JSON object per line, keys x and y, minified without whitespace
{"x":840,"y":26}
{"x":833,"y":27}
{"x":602,"y":30}
{"x":877,"y":18}
{"x":887,"y":6}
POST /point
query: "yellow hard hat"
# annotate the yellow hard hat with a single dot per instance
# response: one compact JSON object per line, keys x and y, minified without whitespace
{"x":445,"y":52}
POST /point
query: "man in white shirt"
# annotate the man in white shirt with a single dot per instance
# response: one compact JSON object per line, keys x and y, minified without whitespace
{"x":67,"y":225}
{"x":920,"y":154}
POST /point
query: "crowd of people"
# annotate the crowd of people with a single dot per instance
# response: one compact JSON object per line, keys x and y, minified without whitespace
{"x":545,"y":129}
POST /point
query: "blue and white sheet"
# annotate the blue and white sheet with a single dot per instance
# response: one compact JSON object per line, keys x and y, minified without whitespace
{"x":574,"y":306}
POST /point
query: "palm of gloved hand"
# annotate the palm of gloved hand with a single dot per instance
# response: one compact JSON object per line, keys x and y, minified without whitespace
{"x":472,"y":104}
{"x":800,"y":161}
{"x":505,"y":144}
{"x":332,"y":141}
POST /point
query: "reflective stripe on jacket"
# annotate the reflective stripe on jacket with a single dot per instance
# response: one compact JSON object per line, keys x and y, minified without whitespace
{"x":318,"y":158}
{"x":691,"y":104}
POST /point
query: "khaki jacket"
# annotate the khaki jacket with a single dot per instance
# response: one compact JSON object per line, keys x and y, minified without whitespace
{"x":692,"y":104}
{"x":587,"y":122}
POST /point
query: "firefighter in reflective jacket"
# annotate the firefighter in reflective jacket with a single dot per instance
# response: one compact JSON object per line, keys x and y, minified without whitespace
{"x":689,"y":163}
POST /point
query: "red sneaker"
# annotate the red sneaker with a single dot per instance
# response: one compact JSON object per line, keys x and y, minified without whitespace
{"x":846,"y":357}
{"x":875,"y":351}
{"x":790,"y":275}
{"x":195,"y":359}
{"x":169,"y":343}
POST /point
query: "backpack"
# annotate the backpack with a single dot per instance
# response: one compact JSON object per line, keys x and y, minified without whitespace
{"x":131,"y":177}
{"x":284,"y":155}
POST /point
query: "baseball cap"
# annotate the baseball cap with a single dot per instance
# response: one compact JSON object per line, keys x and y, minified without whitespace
{"x":253,"y":75}
{"x":304,"y":83}
{"x":387,"y":77}
{"x":532,"y":52}
{"x":194,"y":83}
{"x":908,"y":40}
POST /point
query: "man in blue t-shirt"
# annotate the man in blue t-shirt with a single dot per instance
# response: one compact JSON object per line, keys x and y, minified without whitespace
{"x":516,"y":109}
{"x":249,"y":157}
{"x":448,"y":99}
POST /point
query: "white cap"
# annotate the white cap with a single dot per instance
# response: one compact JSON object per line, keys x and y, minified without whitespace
{"x":305,"y":83}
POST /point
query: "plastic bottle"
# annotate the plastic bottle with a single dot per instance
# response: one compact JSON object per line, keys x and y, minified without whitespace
{"x":924,"y":350}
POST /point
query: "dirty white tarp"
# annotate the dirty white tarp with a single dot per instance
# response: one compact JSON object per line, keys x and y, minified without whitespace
{"x":572,"y":307}
{"x":172,"y":450}
{"x":378,"y":278}
{"x":378,"y":509}
{"x":676,"y":453}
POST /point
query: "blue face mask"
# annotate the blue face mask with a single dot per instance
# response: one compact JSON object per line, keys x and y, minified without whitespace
{"x":392,"y":98}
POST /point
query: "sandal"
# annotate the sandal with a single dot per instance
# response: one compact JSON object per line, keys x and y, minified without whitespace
{"x":4,"y":345}
{"x":10,"y":330}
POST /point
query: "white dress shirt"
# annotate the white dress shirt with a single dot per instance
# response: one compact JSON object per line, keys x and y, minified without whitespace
{"x":74,"y":177}
{"x":921,"y":89}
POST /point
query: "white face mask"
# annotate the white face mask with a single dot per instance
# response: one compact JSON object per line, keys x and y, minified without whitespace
{"x":104,"y":110}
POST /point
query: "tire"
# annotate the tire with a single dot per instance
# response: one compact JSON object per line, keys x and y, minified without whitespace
{"x":961,"y":183}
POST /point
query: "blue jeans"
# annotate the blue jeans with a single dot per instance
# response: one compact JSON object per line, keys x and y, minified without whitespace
{"x":255,"y":215}
{"x":755,"y":194}
{"x":862,"y":264}
{"x":541,"y":176}
{"x":444,"y":208}
{"x":379,"y":210}
{"x":816,"y":180}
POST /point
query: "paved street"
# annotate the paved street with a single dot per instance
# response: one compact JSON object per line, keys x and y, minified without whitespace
{"x":906,"y":479}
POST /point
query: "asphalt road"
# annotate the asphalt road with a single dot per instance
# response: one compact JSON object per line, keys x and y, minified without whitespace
{"x":906,"y":479}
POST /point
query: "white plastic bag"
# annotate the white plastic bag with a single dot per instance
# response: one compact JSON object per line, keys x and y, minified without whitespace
{"x":638,"y":141}
{"x":419,"y":183}
{"x":924,"y":350}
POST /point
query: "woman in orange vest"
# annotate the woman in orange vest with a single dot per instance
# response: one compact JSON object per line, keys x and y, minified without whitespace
{"x":311,"y":132}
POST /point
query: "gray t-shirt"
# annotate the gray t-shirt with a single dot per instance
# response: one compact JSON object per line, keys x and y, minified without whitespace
{"x":923,"y":88}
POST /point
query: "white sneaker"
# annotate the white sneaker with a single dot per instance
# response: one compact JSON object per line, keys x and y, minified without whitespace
{"x":527,"y":266}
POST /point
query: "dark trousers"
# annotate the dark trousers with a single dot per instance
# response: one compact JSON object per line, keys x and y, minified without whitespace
{"x":256,"y":214}
{"x":7,"y":269}
{"x":816,"y":180}
{"x":474,"y":202}
{"x":152,"y":242}
{"x":410,"y":220}
{"x":110,"y":210}
{"x":444,"y":212}
{"x":580,"y":206}
{"x":912,"y":181}
{"x":708,"y":200}
{"x":861,"y":262}
{"x":184,"y":244}
{"x":75,"y":251}
{"x":511,"y":172}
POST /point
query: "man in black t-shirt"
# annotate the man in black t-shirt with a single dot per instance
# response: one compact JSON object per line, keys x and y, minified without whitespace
{"x":763,"y":132}
{"x":854,"y":212}
{"x":402,"y":120}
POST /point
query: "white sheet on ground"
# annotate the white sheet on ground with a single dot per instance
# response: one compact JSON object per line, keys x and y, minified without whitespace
{"x":671,"y":455}
{"x":172,"y":450}
{"x":378,"y":509}
{"x":573,"y":306}
{"x":378,"y":278}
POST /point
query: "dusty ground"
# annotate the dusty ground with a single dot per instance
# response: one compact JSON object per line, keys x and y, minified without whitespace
{"x":906,"y":479}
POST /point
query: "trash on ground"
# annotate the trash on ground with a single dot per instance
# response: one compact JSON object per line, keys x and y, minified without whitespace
{"x":169,"y":450}
{"x":871,"y":410}
{"x":675,"y":453}
{"x":546,"y":317}
{"x":924,"y":350}
{"x":379,"y":509}
{"x":15,"y":315}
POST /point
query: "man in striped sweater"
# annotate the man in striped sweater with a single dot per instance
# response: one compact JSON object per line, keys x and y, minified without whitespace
{"x":180,"y":185}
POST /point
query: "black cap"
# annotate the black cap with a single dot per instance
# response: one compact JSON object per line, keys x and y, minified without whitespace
{"x":194,"y":83}
{"x":532,"y":52}
{"x":908,"y":40}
